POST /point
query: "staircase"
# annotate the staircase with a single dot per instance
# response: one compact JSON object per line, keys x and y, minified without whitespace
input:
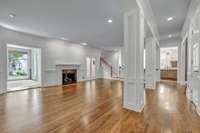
{"x":113,"y":73}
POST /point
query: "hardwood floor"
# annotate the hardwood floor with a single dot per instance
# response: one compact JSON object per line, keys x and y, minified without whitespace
{"x":96,"y":107}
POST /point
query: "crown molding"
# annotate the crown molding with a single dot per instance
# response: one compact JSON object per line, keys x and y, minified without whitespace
{"x":194,"y":5}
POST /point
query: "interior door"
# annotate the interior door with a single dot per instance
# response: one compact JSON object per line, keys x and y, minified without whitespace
{"x":186,"y":60}
{"x":93,"y":68}
{"x":88,"y":68}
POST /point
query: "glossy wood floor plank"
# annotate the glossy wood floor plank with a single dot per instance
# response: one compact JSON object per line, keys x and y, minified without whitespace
{"x":96,"y":107}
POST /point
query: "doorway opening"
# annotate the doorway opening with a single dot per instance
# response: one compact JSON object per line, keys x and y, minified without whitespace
{"x":23,"y":67}
{"x":169,"y":63}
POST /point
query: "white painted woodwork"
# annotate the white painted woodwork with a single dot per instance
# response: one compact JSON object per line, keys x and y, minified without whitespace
{"x":133,"y":95}
{"x":151,"y":63}
{"x":157,"y":62}
{"x":193,"y":83}
{"x":60,"y":67}
{"x":181,"y":63}
{"x":3,"y":64}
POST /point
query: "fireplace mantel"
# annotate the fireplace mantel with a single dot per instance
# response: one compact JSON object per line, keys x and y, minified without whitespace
{"x":68,"y":64}
{"x":60,"y":66}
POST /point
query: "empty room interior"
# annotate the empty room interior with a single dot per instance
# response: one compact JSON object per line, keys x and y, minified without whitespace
{"x":99,"y":66}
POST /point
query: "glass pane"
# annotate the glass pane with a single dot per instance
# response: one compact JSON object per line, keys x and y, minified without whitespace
{"x":17,"y":65}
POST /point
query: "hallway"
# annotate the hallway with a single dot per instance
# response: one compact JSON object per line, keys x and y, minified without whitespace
{"x":95,"y":106}
{"x":168,"y":110}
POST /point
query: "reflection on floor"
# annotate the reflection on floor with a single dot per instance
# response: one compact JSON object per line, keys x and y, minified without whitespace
{"x":96,"y":107}
{"x":21,"y":85}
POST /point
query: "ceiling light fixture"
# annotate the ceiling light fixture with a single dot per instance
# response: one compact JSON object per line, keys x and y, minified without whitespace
{"x":65,"y":39}
{"x":110,"y":21}
{"x":170,"y":19}
{"x":169,"y":36}
{"x":196,"y":31}
{"x":84,"y":44}
{"x":12,"y":15}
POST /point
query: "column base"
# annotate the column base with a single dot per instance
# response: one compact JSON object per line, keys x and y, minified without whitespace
{"x":138,"y":108}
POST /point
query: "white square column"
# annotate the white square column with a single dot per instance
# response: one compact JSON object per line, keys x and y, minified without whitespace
{"x":151,"y":63}
{"x":3,"y":64}
{"x":133,"y":59}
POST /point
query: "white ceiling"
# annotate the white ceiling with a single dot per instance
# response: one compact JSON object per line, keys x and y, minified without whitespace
{"x":78,"y":20}
{"x":164,"y":9}
{"x":86,"y":20}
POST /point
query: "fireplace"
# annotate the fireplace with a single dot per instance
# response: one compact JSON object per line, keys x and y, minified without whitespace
{"x":69,"y":76}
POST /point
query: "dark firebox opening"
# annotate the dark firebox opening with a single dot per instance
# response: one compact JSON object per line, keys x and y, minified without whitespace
{"x":69,"y":76}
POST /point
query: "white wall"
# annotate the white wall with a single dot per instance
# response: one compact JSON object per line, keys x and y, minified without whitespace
{"x":3,"y":64}
{"x":193,"y":35}
{"x":170,"y":42}
{"x":53,"y":52}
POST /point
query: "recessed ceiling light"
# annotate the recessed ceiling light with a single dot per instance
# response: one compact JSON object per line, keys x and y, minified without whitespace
{"x":196,"y":31}
{"x":65,"y":39}
{"x":110,"y":20}
{"x":170,"y":19}
{"x":84,"y":44}
{"x":169,"y":36}
{"x":12,"y":15}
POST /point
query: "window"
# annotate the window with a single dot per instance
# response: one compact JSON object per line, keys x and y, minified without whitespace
{"x":169,"y":58}
{"x":18,"y":65}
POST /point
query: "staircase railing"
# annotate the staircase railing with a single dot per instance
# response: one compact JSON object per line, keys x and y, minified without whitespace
{"x":112,"y":72}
